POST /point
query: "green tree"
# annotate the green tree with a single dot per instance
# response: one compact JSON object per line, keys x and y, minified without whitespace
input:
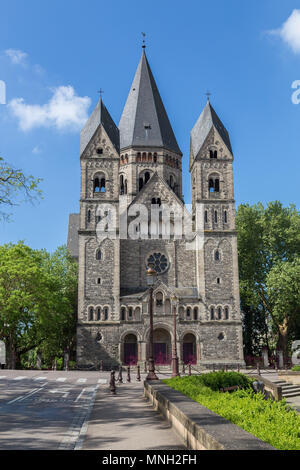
{"x":37,"y":301}
{"x":268,"y":238}
{"x":14,"y":186}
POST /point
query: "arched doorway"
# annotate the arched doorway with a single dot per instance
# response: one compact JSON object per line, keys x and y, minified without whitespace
{"x":189,"y":349}
{"x":130,"y":350}
{"x":162,"y":347}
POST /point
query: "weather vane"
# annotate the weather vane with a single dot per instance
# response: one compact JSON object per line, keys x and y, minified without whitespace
{"x":144,"y":45}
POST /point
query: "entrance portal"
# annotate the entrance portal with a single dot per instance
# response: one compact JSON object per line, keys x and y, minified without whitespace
{"x":162,"y":347}
{"x":130,"y":350}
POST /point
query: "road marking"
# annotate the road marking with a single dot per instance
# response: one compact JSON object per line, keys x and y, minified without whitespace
{"x":64,"y":391}
{"x":102,"y":381}
{"x":26,"y":396}
{"x":81,"y":393}
{"x":61,"y":379}
{"x":20,"y":377}
{"x":81,"y":381}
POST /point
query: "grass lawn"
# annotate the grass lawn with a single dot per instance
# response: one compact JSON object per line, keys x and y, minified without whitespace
{"x":271,"y":421}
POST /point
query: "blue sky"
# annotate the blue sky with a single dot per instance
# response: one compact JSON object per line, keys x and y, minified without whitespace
{"x":56,"y":55}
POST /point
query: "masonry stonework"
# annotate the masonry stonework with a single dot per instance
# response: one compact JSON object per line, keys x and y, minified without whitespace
{"x":140,"y":162}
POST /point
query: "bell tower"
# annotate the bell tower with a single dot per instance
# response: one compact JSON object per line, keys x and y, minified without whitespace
{"x":213,"y":206}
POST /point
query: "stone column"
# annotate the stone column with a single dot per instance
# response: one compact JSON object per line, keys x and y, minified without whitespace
{"x":265,"y":357}
{"x":280,"y":359}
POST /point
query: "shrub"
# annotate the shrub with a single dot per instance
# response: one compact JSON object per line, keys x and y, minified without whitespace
{"x":296,"y":368}
{"x":271,"y":421}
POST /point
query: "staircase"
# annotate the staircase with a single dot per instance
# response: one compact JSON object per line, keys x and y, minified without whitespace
{"x":288,"y":389}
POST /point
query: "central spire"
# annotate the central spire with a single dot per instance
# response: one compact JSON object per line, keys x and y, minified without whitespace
{"x":144,"y":121}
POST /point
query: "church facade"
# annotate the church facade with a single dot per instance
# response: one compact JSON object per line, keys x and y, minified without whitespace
{"x":135,"y":165}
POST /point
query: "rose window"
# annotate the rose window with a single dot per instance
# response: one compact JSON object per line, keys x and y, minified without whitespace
{"x":158,"y":261}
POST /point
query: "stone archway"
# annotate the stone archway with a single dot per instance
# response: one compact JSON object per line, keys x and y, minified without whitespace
{"x":189,"y":350}
{"x":130,"y":355}
{"x":162,"y":346}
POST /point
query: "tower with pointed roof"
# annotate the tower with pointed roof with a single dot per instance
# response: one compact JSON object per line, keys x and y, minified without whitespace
{"x":138,"y":163}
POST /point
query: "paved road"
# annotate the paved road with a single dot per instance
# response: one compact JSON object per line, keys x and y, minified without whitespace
{"x":45,"y":410}
{"x":75,"y":410}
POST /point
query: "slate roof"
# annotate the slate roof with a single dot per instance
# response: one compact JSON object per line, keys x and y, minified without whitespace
{"x":72,"y":244}
{"x":100,"y":116}
{"x":207,"y":119}
{"x":144,"y":121}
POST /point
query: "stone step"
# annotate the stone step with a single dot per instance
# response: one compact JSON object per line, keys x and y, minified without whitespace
{"x":290,"y":387}
{"x":291,"y":394}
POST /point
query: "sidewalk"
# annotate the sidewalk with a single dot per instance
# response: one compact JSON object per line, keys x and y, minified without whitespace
{"x":126,"y":421}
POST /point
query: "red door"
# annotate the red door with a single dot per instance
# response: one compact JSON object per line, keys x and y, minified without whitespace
{"x":188,"y":353}
{"x":130,"y":354}
{"x":160,"y":354}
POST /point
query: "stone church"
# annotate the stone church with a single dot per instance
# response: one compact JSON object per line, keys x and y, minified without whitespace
{"x":140,"y":162}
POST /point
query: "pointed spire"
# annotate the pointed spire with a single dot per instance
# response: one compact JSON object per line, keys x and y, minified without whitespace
{"x":208,"y":119}
{"x":100,"y":116}
{"x":144,"y":121}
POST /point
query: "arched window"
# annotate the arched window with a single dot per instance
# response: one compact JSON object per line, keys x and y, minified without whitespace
{"x":188,"y":313}
{"x":144,"y":157}
{"x":216,"y":217}
{"x":123,"y":313}
{"x":105,"y":312}
{"x":89,"y":216}
{"x":99,"y":184}
{"x":217,"y":255}
{"x":138,"y":157}
{"x":213,"y":153}
{"x":98,"y":314}
{"x":99,"y":151}
{"x":149,"y":157}
{"x":147,"y":177}
{"x":125,"y":187}
{"x":226,"y":313}
{"x":121,"y":184}
{"x":219,"y":313}
{"x":205,"y":217}
{"x":126,"y":158}
{"x":212,"y":313}
{"x":91,"y":314}
{"x":214,"y":185}
{"x":130,"y":313}
{"x":225,"y":217}
{"x":98,"y":255}
{"x":195,"y":313}
{"x":155,"y":158}
{"x":159,"y":299}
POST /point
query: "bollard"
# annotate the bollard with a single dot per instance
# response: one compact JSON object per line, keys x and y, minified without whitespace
{"x":112,"y":384}
{"x":138,"y":375}
{"x":183,"y":368}
{"x":101,"y":366}
{"x":214,"y":369}
{"x":128,"y":374}
{"x":190,"y":369}
{"x":120,"y":377}
{"x":238,"y":368}
{"x":145,"y":367}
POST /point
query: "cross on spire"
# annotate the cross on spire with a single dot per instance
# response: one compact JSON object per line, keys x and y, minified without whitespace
{"x":144,"y":45}
{"x":208,"y":94}
{"x":100,"y":93}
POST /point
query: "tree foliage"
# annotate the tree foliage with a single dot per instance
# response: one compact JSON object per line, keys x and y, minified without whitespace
{"x":15,"y":185}
{"x":269,"y":253}
{"x":37,"y":300}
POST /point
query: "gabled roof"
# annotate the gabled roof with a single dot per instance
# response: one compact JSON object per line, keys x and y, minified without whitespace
{"x":155,"y":178}
{"x":144,"y":121}
{"x":208,"y":119}
{"x":100,"y":116}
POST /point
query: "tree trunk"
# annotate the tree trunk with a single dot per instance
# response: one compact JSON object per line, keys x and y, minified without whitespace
{"x":282,"y":338}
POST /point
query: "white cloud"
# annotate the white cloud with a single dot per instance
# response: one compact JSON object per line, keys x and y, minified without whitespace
{"x":290,"y":31}
{"x":36,"y":150}
{"x":64,"y":111}
{"x":16,"y":56}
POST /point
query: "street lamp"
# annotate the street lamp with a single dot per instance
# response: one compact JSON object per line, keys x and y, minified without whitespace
{"x":175,"y":367}
{"x":151,"y":277}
